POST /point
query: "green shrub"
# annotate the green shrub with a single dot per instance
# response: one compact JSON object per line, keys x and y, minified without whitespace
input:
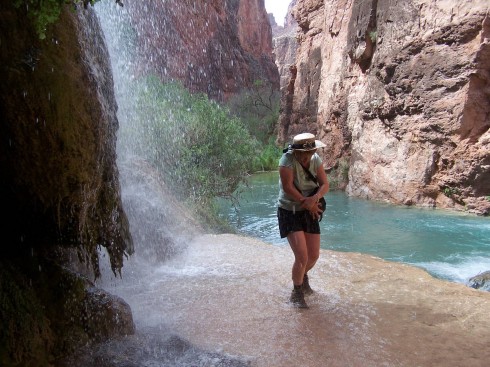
{"x":373,"y":36}
{"x":268,"y":158}
{"x":258,"y":108}
{"x":451,"y":191}
{"x":197,"y":145}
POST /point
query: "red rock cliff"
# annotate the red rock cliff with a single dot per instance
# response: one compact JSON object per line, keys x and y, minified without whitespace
{"x":213,"y":47}
{"x":401,"y":89}
{"x":284,"y":42}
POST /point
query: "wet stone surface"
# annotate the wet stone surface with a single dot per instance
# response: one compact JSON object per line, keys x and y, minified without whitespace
{"x":151,"y":346}
{"x":229,"y":295}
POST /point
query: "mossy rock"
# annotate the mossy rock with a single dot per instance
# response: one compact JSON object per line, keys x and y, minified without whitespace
{"x":26,"y":337}
{"x":48,"y":312}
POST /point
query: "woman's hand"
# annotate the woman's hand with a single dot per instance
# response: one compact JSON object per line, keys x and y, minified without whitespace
{"x":311,"y":204}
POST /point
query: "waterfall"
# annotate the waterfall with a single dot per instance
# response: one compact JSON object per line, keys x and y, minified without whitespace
{"x":203,"y":299}
{"x":160,"y":227}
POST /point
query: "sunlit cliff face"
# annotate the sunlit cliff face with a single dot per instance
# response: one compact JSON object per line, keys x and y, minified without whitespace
{"x":400,"y":95}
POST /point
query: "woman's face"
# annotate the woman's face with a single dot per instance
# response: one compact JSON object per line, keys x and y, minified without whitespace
{"x":308,"y":153}
{"x":304,"y":157}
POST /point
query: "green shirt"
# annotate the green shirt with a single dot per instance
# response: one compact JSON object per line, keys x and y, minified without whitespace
{"x":300,"y":179}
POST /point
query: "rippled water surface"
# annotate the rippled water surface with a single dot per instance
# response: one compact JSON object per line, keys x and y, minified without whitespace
{"x":449,"y":245}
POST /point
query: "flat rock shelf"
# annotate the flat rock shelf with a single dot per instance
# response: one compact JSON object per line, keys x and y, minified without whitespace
{"x":229,"y":294}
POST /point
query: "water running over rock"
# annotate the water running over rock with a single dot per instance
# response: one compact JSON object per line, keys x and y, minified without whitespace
{"x":229,"y":294}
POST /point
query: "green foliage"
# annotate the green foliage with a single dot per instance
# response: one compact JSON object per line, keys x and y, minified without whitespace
{"x":488,"y":198}
{"x":47,"y":12}
{"x":200,"y":149}
{"x":451,"y":191}
{"x":373,"y":36}
{"x":339,"y":176}
{"x":268,"y":158}
{"x":258,"y":107}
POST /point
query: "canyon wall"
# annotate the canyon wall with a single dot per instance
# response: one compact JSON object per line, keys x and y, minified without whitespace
{"x":285,"y":45}
{"x":400,"y":89}
{"x":214,"y":47}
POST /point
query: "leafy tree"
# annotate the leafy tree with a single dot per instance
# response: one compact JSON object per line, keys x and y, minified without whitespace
{"x":259,"y":108}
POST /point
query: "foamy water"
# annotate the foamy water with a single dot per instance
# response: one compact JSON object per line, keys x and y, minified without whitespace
{"x":227,"y":296}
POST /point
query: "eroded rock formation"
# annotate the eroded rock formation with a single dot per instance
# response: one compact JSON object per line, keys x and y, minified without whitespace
{"x":213,"y":47}
{"x":59,"y":188}
{"x":480,"y":281}
{"x":284,"y":43}
{"x":401,"y":89}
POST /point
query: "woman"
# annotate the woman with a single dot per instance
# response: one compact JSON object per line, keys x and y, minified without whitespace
{"x":299,"y":209}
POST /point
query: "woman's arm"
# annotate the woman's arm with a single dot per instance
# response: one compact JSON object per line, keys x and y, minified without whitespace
{"x":321,"y":176}
{"x":312,"y":203}
{"x":287,"y":180}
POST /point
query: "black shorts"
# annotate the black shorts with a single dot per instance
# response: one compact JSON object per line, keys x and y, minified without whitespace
{"x":296,"y":221}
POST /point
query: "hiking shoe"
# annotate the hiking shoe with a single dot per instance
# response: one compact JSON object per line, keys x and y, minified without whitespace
{"x":306,"y":286}
{"x":297,"y":298}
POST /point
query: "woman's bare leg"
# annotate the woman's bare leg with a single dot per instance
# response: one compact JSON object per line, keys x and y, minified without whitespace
{"x":313,"y":249}
{"x":297,"y":241}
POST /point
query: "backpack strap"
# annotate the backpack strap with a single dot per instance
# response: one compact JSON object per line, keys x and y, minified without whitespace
{"x":310,"y":175}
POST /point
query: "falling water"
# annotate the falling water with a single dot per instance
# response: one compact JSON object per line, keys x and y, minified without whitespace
{"x":160,"y":230}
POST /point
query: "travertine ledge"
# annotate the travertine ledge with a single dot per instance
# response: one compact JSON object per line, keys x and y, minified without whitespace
{"x":229,"y":293}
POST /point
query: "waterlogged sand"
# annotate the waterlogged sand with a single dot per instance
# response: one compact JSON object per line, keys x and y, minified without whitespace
{"x":229,"y":294}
